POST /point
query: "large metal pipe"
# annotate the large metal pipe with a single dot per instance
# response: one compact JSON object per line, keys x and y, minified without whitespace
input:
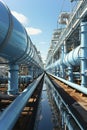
{"x":7,"y":121}
{"x":15,"y":44}
{"x":73,"y":57}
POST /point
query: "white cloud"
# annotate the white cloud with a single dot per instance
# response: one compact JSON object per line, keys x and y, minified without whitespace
{"x":22,"y":18}
{"x":33,"y":31}
{"x":43,"y":43}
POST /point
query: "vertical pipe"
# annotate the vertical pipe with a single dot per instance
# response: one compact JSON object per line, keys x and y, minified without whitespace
{"x":70,"y":73}
{"x":13,"y":79}
{"x":84,"y":52}
{"x":61,"y":67}
{"x":63,"y":51}
{"x":31,"y":72}
{"x":58,"y":71}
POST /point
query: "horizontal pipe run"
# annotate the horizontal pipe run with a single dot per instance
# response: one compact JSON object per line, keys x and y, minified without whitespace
{"x":73,"y":85}
{"x":57,"y":63}
{"x":14,"y":38}
{"x":73,"y":57}
{"x":13,"y":111}
{"x":58,"y":98}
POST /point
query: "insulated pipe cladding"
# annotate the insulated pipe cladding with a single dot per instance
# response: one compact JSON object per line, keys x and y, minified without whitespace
{"x":16,"y":47}
{"x":72,"y":58}
{"x":15,"y":44}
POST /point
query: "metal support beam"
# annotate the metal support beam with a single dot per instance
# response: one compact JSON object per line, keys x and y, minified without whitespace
{"x":62,"y":65}
{"x":13,"y":79}
{"x":84,"y":53}
{"x":70,"y":73}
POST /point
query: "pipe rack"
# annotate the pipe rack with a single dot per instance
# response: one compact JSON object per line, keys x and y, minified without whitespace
{"x":74,"y":59}
{"x":16,"y":48}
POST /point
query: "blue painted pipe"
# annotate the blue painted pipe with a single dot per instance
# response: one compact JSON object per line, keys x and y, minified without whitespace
{"x":13,"y":79}
{"x":25,"y":78}
{"x":22,"y":79}
{"x":7,"y":121}
{"x":73,"y":57}
{"x":63,"y":107}
{"x":73,"y":85}
{"x":62,"y":66}
{"x":70,"y":59}
{"x":15,"y":44}
{"x":84,"y":52}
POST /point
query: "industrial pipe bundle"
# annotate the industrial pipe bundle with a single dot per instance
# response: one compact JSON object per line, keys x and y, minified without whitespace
{"x":72,"y":64}
{"x":16,"y":47}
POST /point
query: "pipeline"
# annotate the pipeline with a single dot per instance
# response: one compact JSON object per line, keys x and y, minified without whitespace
{"x":75,"y":58}
{"x":73,"y":85}
{"x":72,"y":58}
{"x":16,"y":48}
{"x":68,"y":118}
{"x":7,"y":121}
{"x":15,"y":38}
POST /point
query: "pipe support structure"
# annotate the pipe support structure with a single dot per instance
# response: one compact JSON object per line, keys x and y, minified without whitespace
{"x":16,"y":47}
{"x":84,"y":53}
{"x":13,"y":79}
{"x":62,"y":67}
{"x":70,"y":73}
{"x":31,"y":71}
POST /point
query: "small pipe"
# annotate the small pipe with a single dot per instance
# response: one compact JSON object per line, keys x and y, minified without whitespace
{"x":4,"y":96}
{"x":65,"y":111}
{"x":62,"y":67}
{"x":7,"y":121}
{"x":72,"y":85}
{"x":70,"y":73}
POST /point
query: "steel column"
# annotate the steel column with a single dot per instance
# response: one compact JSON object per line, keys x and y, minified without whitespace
{"x":84,"y":53}
{"x":62,"y":65}
{"x":13,"y":79}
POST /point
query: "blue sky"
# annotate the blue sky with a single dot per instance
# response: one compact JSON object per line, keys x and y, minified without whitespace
{"x":39,"y":18}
